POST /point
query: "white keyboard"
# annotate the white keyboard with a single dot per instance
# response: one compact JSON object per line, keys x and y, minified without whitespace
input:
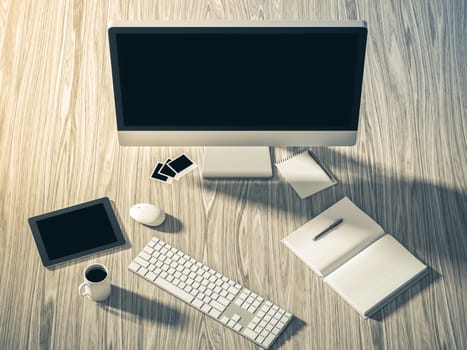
{"x":210,"y":292}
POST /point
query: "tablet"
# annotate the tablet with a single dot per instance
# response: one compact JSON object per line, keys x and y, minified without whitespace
{"x":76,"y":231}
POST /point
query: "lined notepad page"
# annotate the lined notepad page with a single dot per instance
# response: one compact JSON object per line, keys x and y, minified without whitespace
{"x":330,"y":251}
{"x":305,"y":174}
{"x":375,"y":274}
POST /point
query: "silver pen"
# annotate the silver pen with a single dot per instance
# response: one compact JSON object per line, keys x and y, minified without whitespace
{"x":329,"y":228}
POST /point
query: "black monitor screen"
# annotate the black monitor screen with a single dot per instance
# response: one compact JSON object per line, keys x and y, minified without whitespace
{"x":237,"y":78}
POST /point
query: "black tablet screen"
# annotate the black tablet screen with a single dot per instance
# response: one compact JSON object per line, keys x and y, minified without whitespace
{"x":76,"y":231}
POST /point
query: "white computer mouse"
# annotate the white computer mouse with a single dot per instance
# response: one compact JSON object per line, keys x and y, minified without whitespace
{"x":147,"y":214}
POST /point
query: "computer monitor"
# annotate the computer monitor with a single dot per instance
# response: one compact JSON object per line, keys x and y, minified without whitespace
{"x":247,"y":83}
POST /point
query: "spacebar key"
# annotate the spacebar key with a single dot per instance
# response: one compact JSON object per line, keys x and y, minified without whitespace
{"x":174,"y":290}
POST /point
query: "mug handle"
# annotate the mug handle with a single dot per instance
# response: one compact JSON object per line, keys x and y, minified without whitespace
{"x":80,"y":289}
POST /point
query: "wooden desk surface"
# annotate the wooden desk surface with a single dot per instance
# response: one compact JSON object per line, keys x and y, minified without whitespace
{"x":58,"y":146}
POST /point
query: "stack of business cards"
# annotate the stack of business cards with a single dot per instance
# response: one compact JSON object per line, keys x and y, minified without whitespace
{"x":173,"y":169}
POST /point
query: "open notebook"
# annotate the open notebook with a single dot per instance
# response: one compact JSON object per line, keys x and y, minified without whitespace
{"x":357,"y":259}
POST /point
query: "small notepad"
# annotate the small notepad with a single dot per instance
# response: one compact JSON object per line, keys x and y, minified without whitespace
{"x":305,"y":174}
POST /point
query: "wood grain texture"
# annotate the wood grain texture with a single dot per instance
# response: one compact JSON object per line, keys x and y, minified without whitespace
{"x":58,"y":147}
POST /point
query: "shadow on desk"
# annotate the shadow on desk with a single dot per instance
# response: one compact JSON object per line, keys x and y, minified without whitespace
{"x":292,"y":329}
{"x":404,"y":298}
{"x":170,"y":225}
{"x":124,"y":301}
{"x":424,"y":212}
{"x":428,"y":218}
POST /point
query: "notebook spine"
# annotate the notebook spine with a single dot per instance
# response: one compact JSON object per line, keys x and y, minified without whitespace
{"x":290,"y":157}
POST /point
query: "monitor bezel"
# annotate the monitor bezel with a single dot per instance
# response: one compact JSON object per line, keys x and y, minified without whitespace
{"x":149,"y":135}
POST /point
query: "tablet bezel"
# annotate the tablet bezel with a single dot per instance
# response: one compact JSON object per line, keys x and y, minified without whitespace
{"x":117,"y":231}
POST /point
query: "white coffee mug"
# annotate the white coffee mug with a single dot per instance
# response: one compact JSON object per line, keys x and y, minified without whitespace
{"x":96,"y":285}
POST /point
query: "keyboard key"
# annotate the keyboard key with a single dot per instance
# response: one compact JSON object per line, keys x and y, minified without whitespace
{"x":237,"y":327}
{"x":275,"y":331}
{"x":206,"y":308}
{"x":133,"y":267}
{"x":250,"y":334}
{"x":214,"y":313}
{"x":198,"y":303}
{"x":217,"y":305}
{"x":179,"y":293}
{"x":224,"y":319}
{"x":219,"y":283}
{"x":236,"y":317}
{"x":145,"y":255}
{"x":268,"y":340}
{"x":141,"y":262}
{"x":151,"y":276}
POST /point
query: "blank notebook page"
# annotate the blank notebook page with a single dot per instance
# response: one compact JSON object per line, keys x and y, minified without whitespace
{"x":375,"y":273}
{"x":326,"y":254}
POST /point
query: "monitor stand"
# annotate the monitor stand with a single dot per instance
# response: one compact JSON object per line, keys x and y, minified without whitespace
{"x":237,"y":162}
